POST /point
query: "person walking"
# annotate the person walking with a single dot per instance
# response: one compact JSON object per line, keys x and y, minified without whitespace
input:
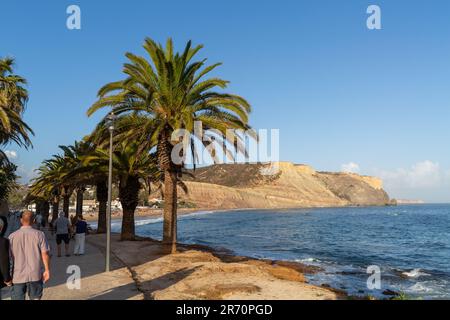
{"x":30,"y":259}
{"x":62,"y":227}
{"x":38,"y":221}
{"x":80,"y":236}
{"x":5,"y":274}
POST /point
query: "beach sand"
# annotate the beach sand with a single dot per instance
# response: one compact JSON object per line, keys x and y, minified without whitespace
{"x":142,"y":212}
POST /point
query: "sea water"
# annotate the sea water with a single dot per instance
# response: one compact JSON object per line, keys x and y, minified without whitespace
{"x":410,"y":244}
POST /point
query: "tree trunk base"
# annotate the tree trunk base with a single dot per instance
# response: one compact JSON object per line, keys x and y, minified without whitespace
{"x":169,"y":248}
{"x":127,"y":237}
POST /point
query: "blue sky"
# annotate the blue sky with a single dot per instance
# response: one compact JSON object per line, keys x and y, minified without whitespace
{"x":343,"y":96}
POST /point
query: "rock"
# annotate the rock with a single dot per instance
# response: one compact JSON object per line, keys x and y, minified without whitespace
{"x":389,"y":292}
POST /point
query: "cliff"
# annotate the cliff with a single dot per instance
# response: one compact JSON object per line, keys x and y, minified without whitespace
{"x":231,"y":186}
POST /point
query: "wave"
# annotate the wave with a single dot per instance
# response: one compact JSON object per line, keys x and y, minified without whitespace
{"x":196,"y":213}
{"x":415,"y":273}
{"x":307,"y":260}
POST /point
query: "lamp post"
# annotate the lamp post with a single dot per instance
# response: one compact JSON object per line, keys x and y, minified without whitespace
{"x":110,"y":123}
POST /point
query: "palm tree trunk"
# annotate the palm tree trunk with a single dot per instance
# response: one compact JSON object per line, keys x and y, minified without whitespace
{"x":66,"y":201}
{"x":164,"y":150}
{"x":170,"y":211}
{"x":46,"y":212}
{"x":102,"y":198}
{"x":66,"y":205}
{"x":55,"y":209}
{"x":79,"y":207}
{"x":38,"y":205}
{"x":129,"y":197}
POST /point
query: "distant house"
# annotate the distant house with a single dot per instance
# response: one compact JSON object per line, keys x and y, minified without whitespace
{"x":90,"y":205}
{"x":90,"y":191}
{"x":115,"y":204}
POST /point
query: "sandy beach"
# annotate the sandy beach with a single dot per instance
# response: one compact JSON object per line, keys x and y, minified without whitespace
{"x":142,"y":212}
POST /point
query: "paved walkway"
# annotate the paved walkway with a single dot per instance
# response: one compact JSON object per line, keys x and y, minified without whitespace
{"x":95,"y":283}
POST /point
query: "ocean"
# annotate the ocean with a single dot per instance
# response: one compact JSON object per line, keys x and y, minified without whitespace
{"x":409,"y":244}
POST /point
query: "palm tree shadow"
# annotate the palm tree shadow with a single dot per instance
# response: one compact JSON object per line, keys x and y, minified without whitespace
{"x":147,"y":288}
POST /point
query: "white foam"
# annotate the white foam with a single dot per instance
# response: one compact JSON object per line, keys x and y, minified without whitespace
{"x":196,"y":213}
{"x":307,"y":260}
{"x":415,"y":273}
{"x":420,"y":287}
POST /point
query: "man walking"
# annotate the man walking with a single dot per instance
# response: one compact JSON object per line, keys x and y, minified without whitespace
{"x":38,"y":221}
{"x":30,"y":259}
{"x":62,"y":227}
{"x":80,"y":236}
{"x":5,"y":274}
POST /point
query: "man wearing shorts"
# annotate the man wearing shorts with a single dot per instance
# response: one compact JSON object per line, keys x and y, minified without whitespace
{"x":62,"y":227}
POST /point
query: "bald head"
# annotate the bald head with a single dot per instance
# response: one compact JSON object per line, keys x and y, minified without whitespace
{"x":27,"y":218}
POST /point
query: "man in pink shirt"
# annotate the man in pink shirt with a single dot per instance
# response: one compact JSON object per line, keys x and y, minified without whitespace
{"x":30,"y":258}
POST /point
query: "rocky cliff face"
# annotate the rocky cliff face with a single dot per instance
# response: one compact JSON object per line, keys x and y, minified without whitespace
{"x":243,"y":186}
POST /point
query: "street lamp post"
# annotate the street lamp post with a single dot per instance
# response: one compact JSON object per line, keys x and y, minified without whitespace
{"x":111,"y":117}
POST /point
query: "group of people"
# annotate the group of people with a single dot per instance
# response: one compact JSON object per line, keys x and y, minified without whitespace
{"x":65,"y":229}
{"x":25,"y":253}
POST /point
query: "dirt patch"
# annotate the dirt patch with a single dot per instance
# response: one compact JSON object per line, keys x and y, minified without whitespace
{"x":221,"y":291}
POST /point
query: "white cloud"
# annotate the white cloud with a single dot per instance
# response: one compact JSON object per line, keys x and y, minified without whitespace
{"x":425,"y":174}
{"x":11,"y":154}
{"x":350,"y":167}
{"x":25,"y":174}
{"x":446,"y":179}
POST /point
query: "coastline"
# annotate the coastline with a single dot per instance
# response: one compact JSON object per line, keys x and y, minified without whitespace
{"x":146,"y":213}
{"x":227,"y":256}
{"x":283,"y":270}
{"x":158,"y":213}
{"x":200,"y":272}
{"x":262,"y":271}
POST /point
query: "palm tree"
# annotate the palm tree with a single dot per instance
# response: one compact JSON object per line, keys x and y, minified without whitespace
{"x":7,"y":178}
{"x":171,"y":91}
{"x":131,"y":169}
{"x":101,"y":189}
{"x":59,"y":176}
{"x":99,"y":138}
{"x":78,"y":178}
{"x":49,"y":184}
{"x":13,"y":99}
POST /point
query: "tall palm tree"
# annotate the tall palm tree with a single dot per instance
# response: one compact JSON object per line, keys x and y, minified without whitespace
{"x":171,"y":91}
{"x":131,"y":170}
{"x":99,"y":138}
{"x":13,"y":99}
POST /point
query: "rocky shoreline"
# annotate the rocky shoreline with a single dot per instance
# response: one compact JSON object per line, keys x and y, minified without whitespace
{"x":200,"y":272}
